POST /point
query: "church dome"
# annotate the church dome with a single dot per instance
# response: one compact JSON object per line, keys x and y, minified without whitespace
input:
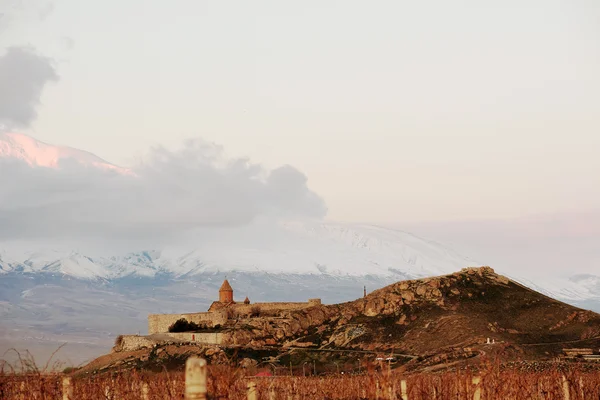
{"x":226,"y":287}
{"x":226,"y":293}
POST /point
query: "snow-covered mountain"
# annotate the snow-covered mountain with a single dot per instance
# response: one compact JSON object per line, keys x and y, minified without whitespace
{"x":301,"y":248}
{"x":580,"y":289}
{"x":38,"y":154}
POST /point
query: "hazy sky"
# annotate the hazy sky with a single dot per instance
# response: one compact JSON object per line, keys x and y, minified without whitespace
{"x":395,"y":110}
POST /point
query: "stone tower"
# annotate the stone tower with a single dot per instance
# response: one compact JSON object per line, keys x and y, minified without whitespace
{"x":226,"y":293}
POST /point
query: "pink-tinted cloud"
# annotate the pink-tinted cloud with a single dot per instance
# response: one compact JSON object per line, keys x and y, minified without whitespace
{"x":167,"y":194}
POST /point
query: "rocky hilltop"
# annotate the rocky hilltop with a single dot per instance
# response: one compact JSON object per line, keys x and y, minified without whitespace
{"x":464,"y":315}
{"x":422,"y":315}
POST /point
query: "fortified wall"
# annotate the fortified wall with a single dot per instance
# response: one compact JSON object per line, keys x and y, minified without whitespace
{"x":221,"y":311}
{"x":160,"y":323}
{"x":199,"y":337}
{"x":136,"y":342}
{"x":246,"y":309}
{"x":283,"y":306}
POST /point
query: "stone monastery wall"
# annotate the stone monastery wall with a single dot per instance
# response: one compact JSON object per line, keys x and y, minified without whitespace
{"x":160,"y":323}
{"x":202,"y":337}
{"x":247,"y":308}
{"x":135,"y":342}
{"x":218,"y":314}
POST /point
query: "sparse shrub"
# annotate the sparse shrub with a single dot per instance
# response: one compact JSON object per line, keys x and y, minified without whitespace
{"x":255,"y":311}
{"x":183,"y":325}
{"x":231,"y":313}
{"x":118,"y":341}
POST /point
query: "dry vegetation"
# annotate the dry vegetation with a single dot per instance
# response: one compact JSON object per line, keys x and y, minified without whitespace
{"x":231,"y":383}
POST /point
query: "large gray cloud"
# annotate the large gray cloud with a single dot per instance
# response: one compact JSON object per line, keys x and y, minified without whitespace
{"x":169,"y":193}
{"x":23,"y":75}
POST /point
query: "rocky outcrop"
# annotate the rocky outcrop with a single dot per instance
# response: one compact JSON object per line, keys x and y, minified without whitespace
{"x":260,"y":332}
{"x":576,"y":316}
{"x":423,"y":291}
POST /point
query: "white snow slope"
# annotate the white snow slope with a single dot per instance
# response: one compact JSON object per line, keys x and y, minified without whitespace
{"x":304,"y":248}
{"x":289,"y":248}
{"x":38,"y":154}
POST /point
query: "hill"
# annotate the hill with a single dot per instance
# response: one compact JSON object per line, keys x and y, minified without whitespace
{"x":457,"y":310}
{"x":463,"y":310}
{"x":432,"y":321}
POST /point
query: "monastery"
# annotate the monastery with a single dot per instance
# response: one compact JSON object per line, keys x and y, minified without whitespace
{"x":224,"y":310}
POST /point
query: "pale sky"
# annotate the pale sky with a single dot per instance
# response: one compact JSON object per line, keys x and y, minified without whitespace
{"x":396,"y":111}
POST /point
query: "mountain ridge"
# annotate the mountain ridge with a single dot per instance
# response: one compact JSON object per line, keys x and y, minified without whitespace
{"x":283,"y":248}
{"x":335,"y":249}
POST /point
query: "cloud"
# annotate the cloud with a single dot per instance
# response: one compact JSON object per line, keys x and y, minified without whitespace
{"x":46,"y":10}
{"x":68,"y":42}
{"x":23,"y":75}
{"x":171,"y":193}
{"x":18,"y":12}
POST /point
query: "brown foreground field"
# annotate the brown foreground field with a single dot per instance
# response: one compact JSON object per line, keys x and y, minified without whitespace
{"x":574,"y":382}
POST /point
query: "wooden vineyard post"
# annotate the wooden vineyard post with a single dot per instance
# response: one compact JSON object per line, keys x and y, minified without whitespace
{"x":145,"y":391}
{"x":272,"y":395}
{"x":195,"y":378}
{"x":252,"y":391}
{"x":565,"y":387}
{"x":403,"y":390}
{"x":67,"y":389}
{"x":477,"y":393}
{"x":114,"y":393}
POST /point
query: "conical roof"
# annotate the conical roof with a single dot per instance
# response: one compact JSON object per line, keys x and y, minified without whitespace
{"x":226,"y":287}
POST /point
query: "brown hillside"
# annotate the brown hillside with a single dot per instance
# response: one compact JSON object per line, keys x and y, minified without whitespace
{"x":433,"y":321}
{"x":452,"y":311}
